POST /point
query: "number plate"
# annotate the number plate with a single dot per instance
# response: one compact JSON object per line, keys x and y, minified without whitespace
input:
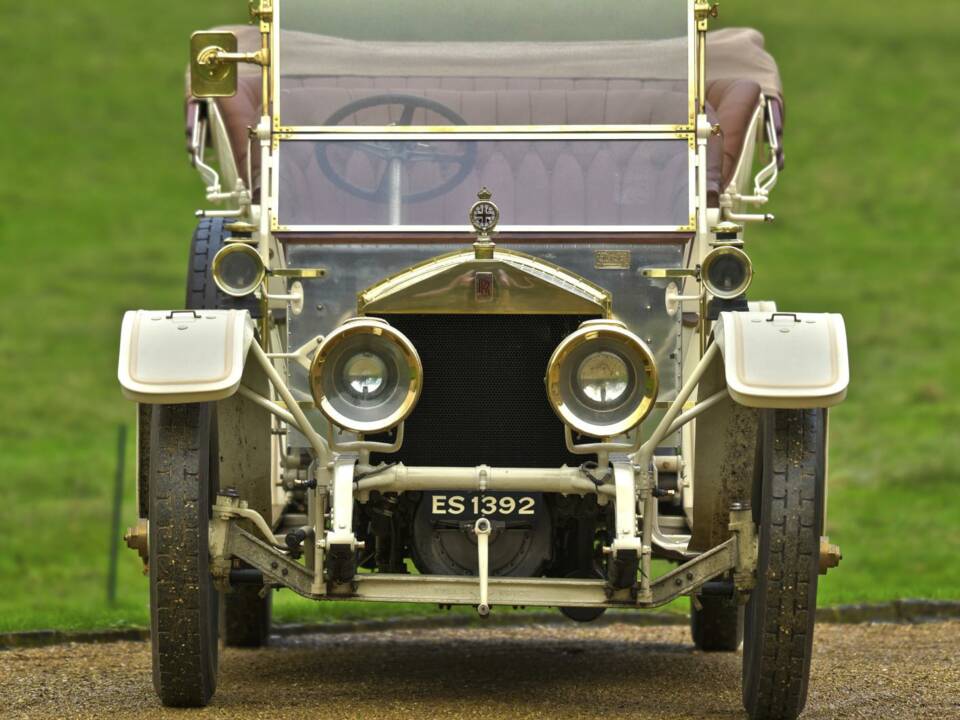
{"x":496,"y":506}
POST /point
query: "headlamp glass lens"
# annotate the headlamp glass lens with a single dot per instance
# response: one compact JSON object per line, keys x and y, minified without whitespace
{"x":365,"y":375}
{"x":240,"y":271}
{"x":603,"y":378}
{"x":727,"y":273}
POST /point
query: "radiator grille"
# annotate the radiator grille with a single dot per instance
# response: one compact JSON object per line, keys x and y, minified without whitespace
{"x":484,"y":400}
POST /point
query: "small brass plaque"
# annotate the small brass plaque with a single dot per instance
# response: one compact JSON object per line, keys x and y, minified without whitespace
{"x":611,"y":259}
{"x":212,"y":79}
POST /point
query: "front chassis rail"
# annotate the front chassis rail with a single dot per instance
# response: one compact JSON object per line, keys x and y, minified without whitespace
{"x":229,"y":541}
{"x":634,"y":480}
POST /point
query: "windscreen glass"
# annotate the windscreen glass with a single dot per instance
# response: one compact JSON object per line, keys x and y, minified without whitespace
{"x":500,"y":62}
{"x":425,"y":182}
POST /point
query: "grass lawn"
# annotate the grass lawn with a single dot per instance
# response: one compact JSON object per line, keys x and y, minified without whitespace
{"x":96,"y":210}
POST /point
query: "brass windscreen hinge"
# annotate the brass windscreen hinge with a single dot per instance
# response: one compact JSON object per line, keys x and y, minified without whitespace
{"x":703,"y":11}
{"x":261,"y":10}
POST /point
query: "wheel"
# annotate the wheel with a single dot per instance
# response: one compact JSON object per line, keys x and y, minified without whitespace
{"x":184,"y":605}
{"x":718,"y":625}
{"x":246,"y":615}
{"x":780,"y":615}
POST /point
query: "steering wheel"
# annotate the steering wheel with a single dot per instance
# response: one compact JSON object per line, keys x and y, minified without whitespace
{"x":400,"y":152}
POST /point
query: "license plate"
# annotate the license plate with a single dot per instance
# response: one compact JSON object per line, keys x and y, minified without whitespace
{"x":496,"y":506}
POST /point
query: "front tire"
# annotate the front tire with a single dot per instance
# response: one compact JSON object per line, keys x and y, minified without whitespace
{"x":246,"y":615}
{"x":718,"y":625}
{"x":780,"y":616}
{"x":184,"y":604}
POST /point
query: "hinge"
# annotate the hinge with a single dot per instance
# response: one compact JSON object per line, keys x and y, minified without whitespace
{"x":703,"y":11}
{"x":261,"y":10}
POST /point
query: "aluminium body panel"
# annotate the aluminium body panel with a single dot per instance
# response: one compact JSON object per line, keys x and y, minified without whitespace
{"x":617,"y":267}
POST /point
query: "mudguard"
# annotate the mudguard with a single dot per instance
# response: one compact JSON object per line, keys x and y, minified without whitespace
{"x":183,"y":356}
{"x":784,"y":360}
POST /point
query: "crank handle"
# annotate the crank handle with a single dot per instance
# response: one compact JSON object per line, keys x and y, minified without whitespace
{"x":482,"y":530}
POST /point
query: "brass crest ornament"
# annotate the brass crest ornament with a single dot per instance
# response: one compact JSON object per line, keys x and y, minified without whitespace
{"x":484,"y":216}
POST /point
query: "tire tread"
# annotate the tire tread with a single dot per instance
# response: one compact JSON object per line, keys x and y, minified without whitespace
{"x":776,"y":673}
{"x":184,"y":663}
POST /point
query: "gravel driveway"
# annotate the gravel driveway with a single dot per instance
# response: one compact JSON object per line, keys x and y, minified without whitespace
{"x":555,"y":671}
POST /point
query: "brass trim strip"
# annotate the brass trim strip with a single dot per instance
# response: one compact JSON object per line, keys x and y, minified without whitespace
{"x":434,"y":130}
{"x":499,"y":133}
{"x":466,"y":230}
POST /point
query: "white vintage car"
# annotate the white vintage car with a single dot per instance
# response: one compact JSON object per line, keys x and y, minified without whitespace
{"x":471,"y":326}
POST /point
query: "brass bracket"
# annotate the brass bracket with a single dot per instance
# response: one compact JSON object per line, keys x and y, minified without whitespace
{"x":261,"y":10}
{"x":661,"y":273}
{"x":215,"y":55}
{"x":241,"y":227}
{"x":703,"y":11}
{"x":299,"y":273}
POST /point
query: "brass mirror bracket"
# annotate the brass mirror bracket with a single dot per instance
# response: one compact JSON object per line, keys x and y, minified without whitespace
{"x":213,"y":63}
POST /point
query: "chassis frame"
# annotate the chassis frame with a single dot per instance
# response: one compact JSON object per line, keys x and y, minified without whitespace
{"x":337,"y":488}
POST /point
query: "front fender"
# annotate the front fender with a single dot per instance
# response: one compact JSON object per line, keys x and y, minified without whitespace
{"x":784,"y":360}
{"x":183,"y":356}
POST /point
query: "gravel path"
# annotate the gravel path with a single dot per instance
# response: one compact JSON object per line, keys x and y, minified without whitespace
{"x":557,"y":671}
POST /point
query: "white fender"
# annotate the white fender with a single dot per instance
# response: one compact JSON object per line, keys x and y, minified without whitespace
{"x":183,"y":356}
{"x":784,"y":360}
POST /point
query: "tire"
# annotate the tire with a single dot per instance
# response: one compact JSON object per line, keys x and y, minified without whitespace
{"x":246,"y":615}
{"x":184,"y":605}
{"x":780,"y":615}
{"x":718,"y":625}
{"x":202,"y":292}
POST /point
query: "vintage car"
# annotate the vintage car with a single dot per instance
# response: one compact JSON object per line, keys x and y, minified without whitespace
{"x":471,"y":327}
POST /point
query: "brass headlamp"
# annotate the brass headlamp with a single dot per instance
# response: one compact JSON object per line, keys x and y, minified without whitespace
{"x":602,"y":380}
{"x":366,"y":376}
{"x":727,"y":272}
{"x":238,"y":269}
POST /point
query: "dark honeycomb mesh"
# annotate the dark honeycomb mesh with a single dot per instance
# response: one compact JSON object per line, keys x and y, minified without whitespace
{"x":484,"y":400}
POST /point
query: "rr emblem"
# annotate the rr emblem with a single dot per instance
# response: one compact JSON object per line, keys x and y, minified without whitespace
{"x":484,"y":286}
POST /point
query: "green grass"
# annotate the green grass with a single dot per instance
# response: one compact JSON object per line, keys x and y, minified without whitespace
{"x":96,"y":203}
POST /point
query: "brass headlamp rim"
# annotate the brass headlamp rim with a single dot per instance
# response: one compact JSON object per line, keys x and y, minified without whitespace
{"x":712,"y":257}
{"x":217,"y":266}
{"x":366,"y":326}
{"x":647,"y":375}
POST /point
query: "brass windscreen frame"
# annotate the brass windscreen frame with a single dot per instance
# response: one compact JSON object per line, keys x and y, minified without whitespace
{"x":694,"y":83}
{"x":279,"y":139}
{"x":271,"y":11}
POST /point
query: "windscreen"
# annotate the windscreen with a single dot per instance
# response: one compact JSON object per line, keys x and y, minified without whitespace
{"x":500,"y":62}
{"x":430,"y":183}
